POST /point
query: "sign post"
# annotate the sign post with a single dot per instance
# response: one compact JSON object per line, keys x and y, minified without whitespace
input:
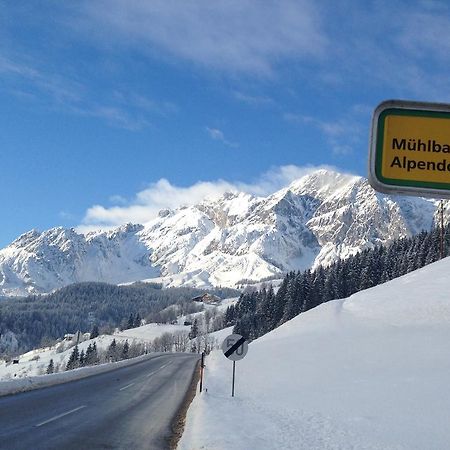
{"x":202,"y":365}
{"x":234,"y":347}
{"x":234,"y":377}
{"x":410,"y":149}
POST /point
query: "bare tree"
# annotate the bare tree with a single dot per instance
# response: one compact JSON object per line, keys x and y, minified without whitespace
{"x":180,"y":341}
{"x":167,"y":342}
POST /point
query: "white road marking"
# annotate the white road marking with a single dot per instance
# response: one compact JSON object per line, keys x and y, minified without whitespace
{"x":157,"y":370}
{"x":60,"y":415}
{"x":126,"y":387}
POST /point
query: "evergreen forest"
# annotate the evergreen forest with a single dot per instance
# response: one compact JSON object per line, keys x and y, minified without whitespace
{"x":259,"y":311}
{"x":38,"y":320}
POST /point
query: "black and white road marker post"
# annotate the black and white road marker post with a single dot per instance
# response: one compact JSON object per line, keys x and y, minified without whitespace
{"x":202,"y":366}
{"x":234,"y":347}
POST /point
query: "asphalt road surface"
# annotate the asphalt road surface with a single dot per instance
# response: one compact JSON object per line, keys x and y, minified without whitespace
{"x":128,"y":408}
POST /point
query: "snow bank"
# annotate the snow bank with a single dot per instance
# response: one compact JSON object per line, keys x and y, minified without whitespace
{"x":30,"y":383}
{"x":220,"y":335}
{"x":367,"y":372}
{"x":149,"y":332}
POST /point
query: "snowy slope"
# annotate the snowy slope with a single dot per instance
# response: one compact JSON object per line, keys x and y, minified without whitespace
{"x":35,"y":362}
{"x":367,"y":372}
{"x":41,"y":262}
{"x":230,"y":241}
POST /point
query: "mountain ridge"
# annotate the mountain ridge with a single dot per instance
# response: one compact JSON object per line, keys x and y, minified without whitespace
{"x":229,"y":241}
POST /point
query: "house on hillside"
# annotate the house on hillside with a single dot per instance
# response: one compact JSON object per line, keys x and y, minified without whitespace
{"x":208,"y":299}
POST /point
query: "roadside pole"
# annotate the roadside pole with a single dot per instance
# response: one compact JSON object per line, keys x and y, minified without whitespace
{"x":202,"y":365}
{"x":234,"y":376}
{"x":441,"y":210}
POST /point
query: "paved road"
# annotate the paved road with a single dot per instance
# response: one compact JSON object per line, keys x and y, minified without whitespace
{"x":128,"y":408}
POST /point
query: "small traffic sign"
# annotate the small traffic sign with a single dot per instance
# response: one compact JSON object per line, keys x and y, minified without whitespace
{"x":235,"y":347}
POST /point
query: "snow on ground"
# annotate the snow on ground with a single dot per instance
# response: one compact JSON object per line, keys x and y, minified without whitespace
{"x":220,"y":335}
{"x":149,"y":332}
{"x":224,"y":304}
{"x":367,"y":372}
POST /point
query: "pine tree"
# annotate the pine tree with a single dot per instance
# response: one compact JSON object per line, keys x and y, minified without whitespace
{"x":244,"y":327}
{"x":125,"y":350}
{"x":82,"y":359}
{"x":291,"y":302}
{"x":329,"y":286}
{"x":88,"y":357}
{"x":137,"y":320}
{"x":194,"y":330}
{"x":111,"y":354}
{"x":73,"y":359}
{"x":267,"y":310}
{"x":365,"y":280}
{"x":305,"y":290}
{"x":130,"y":323}
{"x":95,"y":358}
{"x":94,"y":333}
{"x":279,"y":303}
{"x":230,"y":316}
{"x":50,"y":367}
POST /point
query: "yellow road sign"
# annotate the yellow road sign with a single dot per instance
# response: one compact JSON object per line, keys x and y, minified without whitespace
{"x":410,"y":149}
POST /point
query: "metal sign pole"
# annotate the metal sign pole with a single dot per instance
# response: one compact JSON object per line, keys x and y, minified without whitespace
{"x":201,"y":371}
{"x":441,"y":211}
{"x":234,"y":372}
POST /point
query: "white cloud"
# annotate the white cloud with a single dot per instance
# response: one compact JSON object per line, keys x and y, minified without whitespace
{"x":65,"y":215}
{"x":163,"y":194}
{"x":237,"y":36}
{"x":118,"y":199}
{"x":340,"y":134}
{"x":331,"y":128}
{"x":254,"y":100}
{"x":433,"y":39}
{"x":127,"y":110}
{"x":396,"y":49}
{"x":115,"y":116}
{"x":54,"y":85}
{"x":217,"y":135}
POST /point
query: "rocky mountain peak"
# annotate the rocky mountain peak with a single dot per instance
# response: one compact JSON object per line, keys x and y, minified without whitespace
{"x":232,"y":240}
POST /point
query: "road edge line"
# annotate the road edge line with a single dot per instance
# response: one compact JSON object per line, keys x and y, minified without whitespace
{"x":179,"y":420}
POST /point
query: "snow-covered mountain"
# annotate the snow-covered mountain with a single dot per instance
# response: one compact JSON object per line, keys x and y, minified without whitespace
{"x":233,"y":240}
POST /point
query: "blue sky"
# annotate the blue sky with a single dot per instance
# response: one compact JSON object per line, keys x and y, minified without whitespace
{"x":114,"y":109}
